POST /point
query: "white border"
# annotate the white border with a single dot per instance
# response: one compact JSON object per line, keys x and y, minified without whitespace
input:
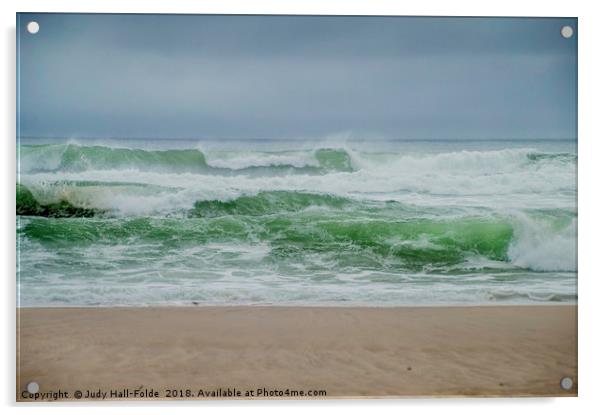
{"x":590,"y":209}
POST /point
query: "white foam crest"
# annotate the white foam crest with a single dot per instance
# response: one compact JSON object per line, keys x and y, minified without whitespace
{"x":461,"y":162}
{"x":527,"y":187}
{"x":541,"y":246}
{"x":122,"y":199}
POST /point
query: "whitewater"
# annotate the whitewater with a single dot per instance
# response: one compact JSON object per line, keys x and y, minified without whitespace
{"x":180,"y":222}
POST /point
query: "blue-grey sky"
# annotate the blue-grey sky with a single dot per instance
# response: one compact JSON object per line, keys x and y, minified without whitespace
{"x":196,"y":76}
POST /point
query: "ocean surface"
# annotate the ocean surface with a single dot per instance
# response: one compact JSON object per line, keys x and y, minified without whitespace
{"x":330,"y":222}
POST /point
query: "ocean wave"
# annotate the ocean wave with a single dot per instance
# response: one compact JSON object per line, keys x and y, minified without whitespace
{"x":513,"y":177}
{"x":131,"y":192}
{"x":473,"y":162}
{"x":336,"y":159}
{"x":518,"y":295}
{"x":296,"y":223}
{"x":267,"y":203}
{"x":27,"y":205}
{"x":77,"y":158}
{"x":545,"y":242}
{"x":407,"y":245}
{"x":71,"y":157}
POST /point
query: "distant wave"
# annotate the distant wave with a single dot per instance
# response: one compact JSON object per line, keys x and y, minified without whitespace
{"x":76,"y":158}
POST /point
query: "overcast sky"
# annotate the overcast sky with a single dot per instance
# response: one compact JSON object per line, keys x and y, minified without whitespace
{"x":188,"y":76}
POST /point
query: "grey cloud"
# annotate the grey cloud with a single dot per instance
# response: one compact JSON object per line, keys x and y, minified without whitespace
{"x":286,"y":76}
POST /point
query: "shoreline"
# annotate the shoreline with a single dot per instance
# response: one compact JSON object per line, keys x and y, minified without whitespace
{"x":409,"y":351}
{"x":294,"y":305}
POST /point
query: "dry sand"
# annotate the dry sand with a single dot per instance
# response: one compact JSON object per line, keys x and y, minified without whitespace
{"x":348,"y":352}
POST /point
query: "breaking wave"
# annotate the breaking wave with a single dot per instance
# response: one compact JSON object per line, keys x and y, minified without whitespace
{"x":76,"y":158}
{"x":305,"y":221}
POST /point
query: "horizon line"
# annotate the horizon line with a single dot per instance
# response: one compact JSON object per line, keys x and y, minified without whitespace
{"x":334,"y":138}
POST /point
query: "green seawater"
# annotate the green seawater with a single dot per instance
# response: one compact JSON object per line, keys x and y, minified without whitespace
{"x":122,"y":223}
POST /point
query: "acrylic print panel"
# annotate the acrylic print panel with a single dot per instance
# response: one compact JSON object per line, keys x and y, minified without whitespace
{"x":300,"y":207}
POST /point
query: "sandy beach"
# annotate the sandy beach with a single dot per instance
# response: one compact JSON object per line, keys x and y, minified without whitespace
{"x":346,"y":352}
